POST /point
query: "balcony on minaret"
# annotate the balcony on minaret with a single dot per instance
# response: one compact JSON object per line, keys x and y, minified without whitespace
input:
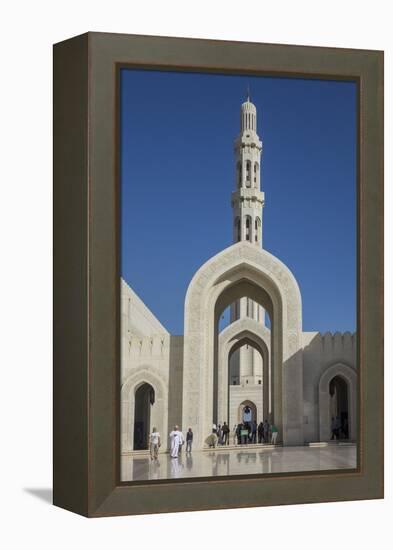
{"x":244,"y":194}
{"x":248,"y":139}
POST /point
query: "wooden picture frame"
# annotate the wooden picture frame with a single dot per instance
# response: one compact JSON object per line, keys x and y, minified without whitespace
{"x":86,"y":273}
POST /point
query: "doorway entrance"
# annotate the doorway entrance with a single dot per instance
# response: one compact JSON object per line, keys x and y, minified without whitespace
{"x":144,"y":400}
{"x":338,"y":391}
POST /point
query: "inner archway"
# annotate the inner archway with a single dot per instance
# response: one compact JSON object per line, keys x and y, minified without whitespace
{"x":247,"y":292}
{"x":253,"y":385}
{"x":144,"y":400}
{"x":247,"y":412}
{"x":252,"y":380}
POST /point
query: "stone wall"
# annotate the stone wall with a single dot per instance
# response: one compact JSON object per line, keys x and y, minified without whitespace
{"x":146,"y":349}
{"x":321,"y":352}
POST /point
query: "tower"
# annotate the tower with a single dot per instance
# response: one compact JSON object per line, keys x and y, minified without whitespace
{"x":247,"y":204}
{"x":248,"y":199}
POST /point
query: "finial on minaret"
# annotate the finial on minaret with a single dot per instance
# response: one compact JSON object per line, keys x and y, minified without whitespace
{"x":248,"y":92}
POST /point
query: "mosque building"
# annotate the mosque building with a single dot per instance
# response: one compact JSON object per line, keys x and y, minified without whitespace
{"x":261,"y":362}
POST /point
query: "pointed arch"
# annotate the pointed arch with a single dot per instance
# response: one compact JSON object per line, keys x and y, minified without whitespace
{"x":349,"y":374}
{"x":243,"y":270}
{"x":244,"y":330}
{"x":144,"y":375}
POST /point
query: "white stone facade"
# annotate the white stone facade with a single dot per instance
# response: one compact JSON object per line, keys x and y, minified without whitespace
{"x":298,"y":380}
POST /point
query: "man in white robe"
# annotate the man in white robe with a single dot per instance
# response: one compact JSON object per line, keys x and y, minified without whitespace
{"x":177,"y":439}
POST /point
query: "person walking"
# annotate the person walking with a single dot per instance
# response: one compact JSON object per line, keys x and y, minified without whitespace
{"x":260,"y":432}
{"x":266,"y":431}
{"x":176,"y":438}
{"x":189,"y":438}
{"x":336,"y":426}
{"x":245,"y":434}
{"x":239,"y":434}
{"x":254,"y":428}
{"x":219,"y":434}
{"x":155,"y":444}
{"x":225,"y":434}
{"x":274,"y":431}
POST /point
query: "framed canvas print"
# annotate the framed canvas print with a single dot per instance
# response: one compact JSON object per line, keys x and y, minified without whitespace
{"x":218,"y":260}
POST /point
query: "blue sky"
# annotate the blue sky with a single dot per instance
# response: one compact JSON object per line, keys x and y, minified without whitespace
{"x":177,"y":175}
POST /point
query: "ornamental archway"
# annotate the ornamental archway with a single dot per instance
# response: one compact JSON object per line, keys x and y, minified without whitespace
{"x":158,"y":413}
{"x":243,"y":270}
{"x":242,"y":411}
{"x":349,"y":376}
{"x":143,"y":404}
{"x":244,"y":331}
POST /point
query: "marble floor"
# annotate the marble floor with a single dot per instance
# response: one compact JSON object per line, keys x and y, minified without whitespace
{"x":239,"y":462}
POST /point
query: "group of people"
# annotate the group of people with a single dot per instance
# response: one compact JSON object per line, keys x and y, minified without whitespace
{"x":177,"y":441}
{"x":251,"y":432}
{"x":340,"y":430}
{"x":243,"y":433}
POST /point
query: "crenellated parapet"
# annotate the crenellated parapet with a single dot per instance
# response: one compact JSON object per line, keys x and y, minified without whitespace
{"x":156,"y":346}
{"x":339,"y":341}
{"x":321,"y":349}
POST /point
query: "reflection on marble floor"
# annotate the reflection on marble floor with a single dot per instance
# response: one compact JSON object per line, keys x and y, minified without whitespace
{"x":239,"y":462}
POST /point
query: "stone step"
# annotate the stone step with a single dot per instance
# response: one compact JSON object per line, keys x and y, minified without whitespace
{"x":249,"y":446}
{"x":330,"y":443}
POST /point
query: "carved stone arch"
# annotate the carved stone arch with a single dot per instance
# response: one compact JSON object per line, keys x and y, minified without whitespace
{"x":141,"y":375}
{"x":243,"y":268}
{"x":249,"y":403}
{"x":349,"y":374}
{"x":241,"y":331}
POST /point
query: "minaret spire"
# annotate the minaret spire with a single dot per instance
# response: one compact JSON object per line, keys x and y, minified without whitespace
{"x":248,"y":199}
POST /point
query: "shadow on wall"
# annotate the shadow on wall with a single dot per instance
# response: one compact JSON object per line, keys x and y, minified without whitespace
{"x":175,"y":384}
{"x":288,"y":391}
{"x":325,"y":357}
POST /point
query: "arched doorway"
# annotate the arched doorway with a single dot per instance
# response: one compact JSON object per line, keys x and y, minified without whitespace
{"x":337,"y":394}
{"x":233,"y":388}
{"x":243,"y":270}
{"x":339,"y":405}
{"x":247,"y":412}
{"x":144,"y":400}
{"x":158,"y":411}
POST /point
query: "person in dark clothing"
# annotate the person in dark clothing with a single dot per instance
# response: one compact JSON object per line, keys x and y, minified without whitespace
{"x":239,"y":435}
{"x":225,"y":434}
{"x":189,"y":438}
{"x":260,"y":432}
{"x":254,"y":428}
{"x":336,"y":425}
{"x":266,"y":431}
{"x":245,"y":433}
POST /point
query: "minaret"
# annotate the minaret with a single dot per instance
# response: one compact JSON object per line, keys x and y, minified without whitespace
{"x":247,"y":204}
{"x":248,"y":199}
